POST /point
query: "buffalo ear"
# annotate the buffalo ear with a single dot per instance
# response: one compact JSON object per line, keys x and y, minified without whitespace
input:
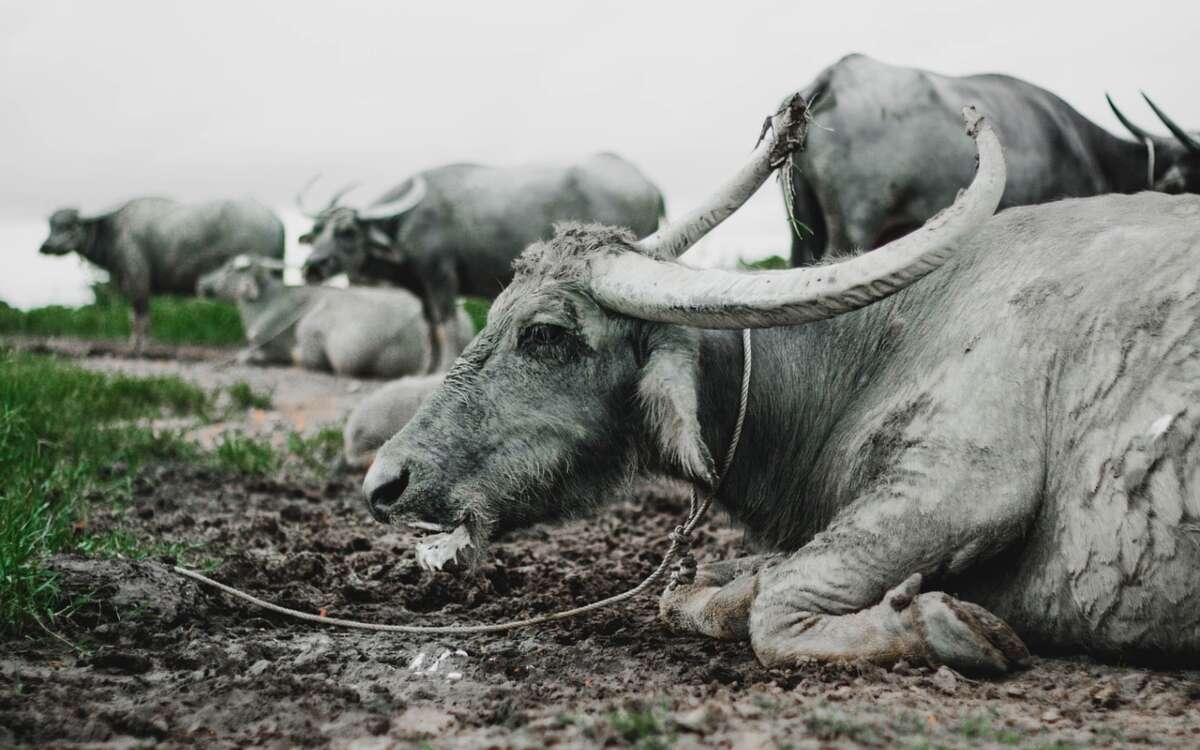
{"x":377,"y":236}
{"x":667,"y":391}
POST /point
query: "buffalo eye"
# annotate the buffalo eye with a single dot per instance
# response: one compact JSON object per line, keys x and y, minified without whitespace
{"x":548,"y":342}
{"x":345,"y":233}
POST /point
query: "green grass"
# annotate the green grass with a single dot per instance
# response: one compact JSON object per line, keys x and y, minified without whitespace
{"x":642,"y":728}
{"x":173,"y":320}
{"x":477,"y":309}
{"x":62,"y":430}
{"x":243,"y":396}
{"x":243,"y":454}
{"x":774,"y":263}
{"x":314,"y":455}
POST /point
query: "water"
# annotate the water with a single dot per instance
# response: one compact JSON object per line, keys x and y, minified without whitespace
{"x":33,"y":280}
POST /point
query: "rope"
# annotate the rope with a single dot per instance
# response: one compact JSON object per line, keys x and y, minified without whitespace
{"x":680,"y":537}
{"x":1150,"y":161}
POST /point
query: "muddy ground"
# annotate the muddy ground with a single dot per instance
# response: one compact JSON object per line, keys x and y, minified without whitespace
{"x":152,"y":659}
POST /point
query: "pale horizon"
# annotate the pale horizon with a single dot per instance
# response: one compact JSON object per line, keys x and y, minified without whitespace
{"x":196,"y":101}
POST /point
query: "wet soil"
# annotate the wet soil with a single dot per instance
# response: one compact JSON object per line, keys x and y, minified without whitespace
{"x":149,"y":658}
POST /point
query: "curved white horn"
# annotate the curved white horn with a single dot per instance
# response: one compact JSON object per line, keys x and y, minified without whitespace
{"x":397,"y":206}
{"x":668,"y":292}
{"x":783,"y":132}
{"x":310,"y":213}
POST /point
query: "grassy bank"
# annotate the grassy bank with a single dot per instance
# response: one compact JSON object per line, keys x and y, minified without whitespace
{"x":62,"y":430}
{"x":72,"y":439}
{"x":173,"y":320}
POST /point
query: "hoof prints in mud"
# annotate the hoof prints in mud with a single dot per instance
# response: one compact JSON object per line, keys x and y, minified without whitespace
{"x":162,"y":660}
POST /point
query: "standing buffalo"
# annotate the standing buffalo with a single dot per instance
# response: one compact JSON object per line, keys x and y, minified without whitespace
{"x":360,"y":332}
{"x":883,"y":157}
{"x":158,"y":246}
{"x":1020,"y":429}
{"x":455,"y":230}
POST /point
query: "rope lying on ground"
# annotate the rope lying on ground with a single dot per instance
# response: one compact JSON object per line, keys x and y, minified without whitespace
{"x":680,"y":537}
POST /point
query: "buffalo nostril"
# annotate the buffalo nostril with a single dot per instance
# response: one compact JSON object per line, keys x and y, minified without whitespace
{"x":386,"y":497}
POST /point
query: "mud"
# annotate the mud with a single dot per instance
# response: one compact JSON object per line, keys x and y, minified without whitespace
{"x":151,"y":659}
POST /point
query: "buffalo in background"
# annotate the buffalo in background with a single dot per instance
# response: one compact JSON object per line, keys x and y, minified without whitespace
{"x":159,"y":246}
{"x":884,"y":153}
{"x":358,"y":332}
{"x":455,"y":230}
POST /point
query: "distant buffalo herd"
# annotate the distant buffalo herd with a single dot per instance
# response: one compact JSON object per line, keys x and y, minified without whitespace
{"x":883,"y":453}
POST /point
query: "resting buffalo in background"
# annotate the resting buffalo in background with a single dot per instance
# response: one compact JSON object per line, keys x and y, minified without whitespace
{"x":382,"y":414}
{"x":377,"y":333}
{"x":1017,"y":430}
{"x":455,"y":230}
{"x":883,"y":155}
{"x":159,"y":246}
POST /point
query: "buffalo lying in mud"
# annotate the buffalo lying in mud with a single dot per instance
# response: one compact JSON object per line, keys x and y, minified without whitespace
{"x":360,"y":332}
{"x":1018,"y":429}
{"x":382,"y":414}
{"x":455,"y":230}
{"x":883,"y":156}
{"x":157,"y":246}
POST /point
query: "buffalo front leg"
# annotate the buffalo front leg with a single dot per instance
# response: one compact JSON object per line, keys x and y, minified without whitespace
{"x":717,"y":602}
{"x":932,"y":628}
{"x":140,"y":325}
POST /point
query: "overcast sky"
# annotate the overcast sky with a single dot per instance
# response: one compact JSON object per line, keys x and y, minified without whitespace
{"x":109,"y":100}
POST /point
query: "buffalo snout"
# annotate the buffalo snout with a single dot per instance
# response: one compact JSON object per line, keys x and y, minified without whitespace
{"x":407,"y":489}
{"x":317,"y":270}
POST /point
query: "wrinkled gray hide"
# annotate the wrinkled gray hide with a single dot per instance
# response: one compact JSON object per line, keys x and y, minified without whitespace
{"x":158,"y":246}
{"x":470,"y":223}
{"x":1017,"y":430}
{"x":382,"y":414}
{"x":360,"y":332}
{"x":884,"y":153}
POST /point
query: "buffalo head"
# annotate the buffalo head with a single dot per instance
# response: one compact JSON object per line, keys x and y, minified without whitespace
{"x":1180,"y":159}
{"x":342,"y":237}
{"x":68,"y":233}
{"x":586,"y":373}
{"x":240,"y":279}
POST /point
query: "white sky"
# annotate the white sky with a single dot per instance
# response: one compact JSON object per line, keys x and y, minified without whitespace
{"x":108,"y":100}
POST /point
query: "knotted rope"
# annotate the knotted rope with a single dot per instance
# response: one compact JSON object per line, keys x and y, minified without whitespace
{"x":680,"y":539}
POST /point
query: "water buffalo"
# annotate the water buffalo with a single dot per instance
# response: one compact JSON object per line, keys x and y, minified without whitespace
{"x":382,"y":414}
{"x":883,"y":156}
{"x":158,"y":246}
{"x":455,"y":230}
{"x":1018,"y":429}
{"x":359,"y":332}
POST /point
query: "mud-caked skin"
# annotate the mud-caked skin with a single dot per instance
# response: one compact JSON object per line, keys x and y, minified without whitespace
{"x":1006,"y":448}
{"x":470,"y":221}
{"x":158,"y":246}
{"x":883,"y":156}
{"x":358,"y":332}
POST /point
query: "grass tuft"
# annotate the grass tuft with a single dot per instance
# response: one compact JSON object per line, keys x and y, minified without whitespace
{"x":67,"y":434}
{"x":243,"y":396}
{"x":243,"y":454}
{"x":774,"y":263}
{"x":476,"y":309}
